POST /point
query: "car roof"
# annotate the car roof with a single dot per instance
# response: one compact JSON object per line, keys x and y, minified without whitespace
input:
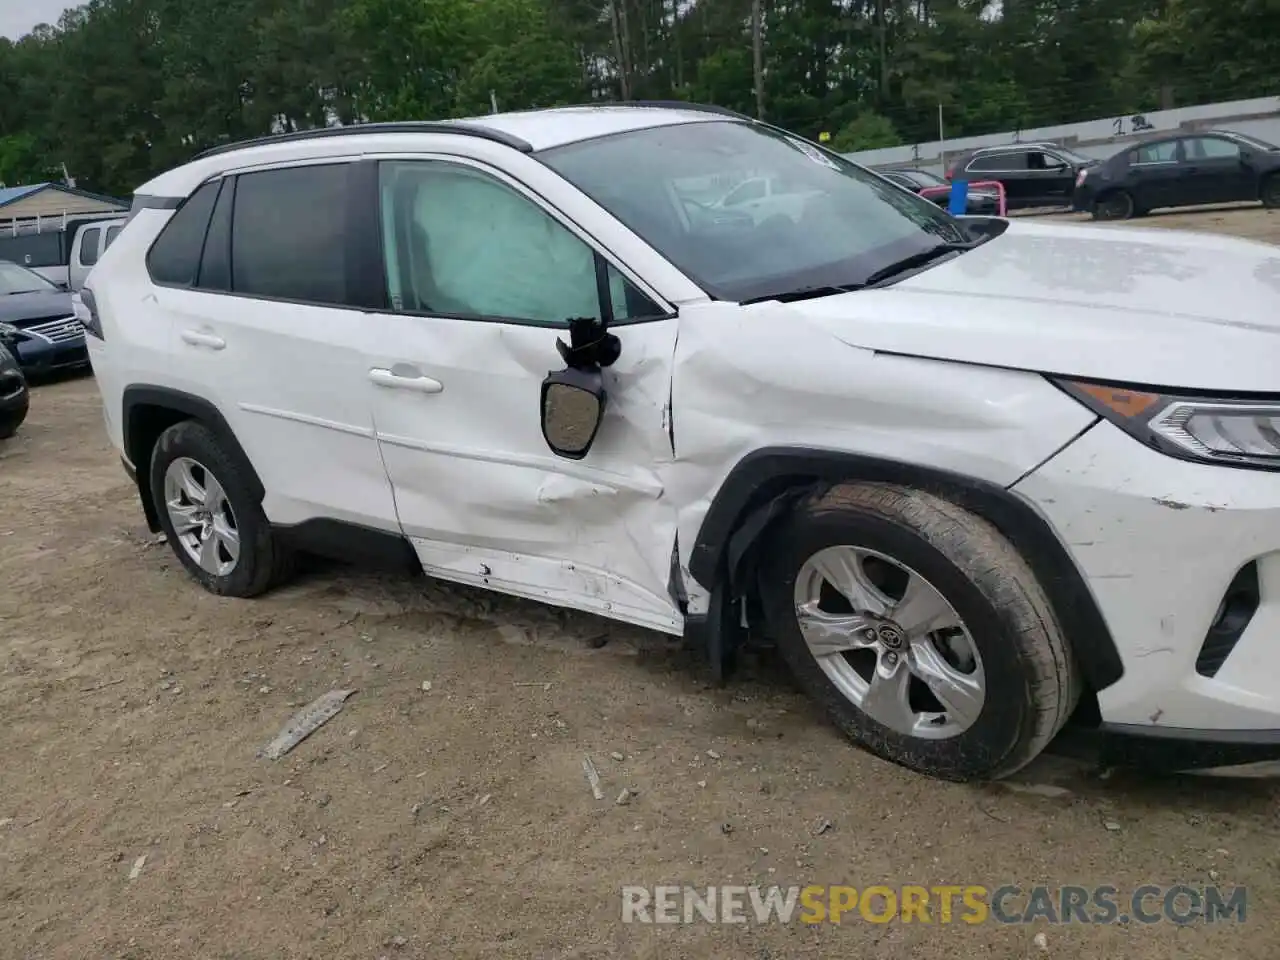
{"x":529,"y":131}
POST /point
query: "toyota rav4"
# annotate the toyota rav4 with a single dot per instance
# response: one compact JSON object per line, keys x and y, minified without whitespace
{"x":971,"y":475}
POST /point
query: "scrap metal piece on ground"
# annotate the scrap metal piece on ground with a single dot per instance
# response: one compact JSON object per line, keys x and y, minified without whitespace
{"x":305,"y":722}
{"x":593,"y":778}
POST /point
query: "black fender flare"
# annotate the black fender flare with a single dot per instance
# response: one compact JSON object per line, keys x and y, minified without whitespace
{"x":138,"y":400}
{"x":764,"y":483}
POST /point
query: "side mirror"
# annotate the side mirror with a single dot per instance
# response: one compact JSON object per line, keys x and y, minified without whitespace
{"x":573,"y":402}
{"x":64,"y":286}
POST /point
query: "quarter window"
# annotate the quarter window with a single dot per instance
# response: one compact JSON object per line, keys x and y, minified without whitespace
{"x":175,"y":255}
{"x":288,"y":234}
{"x":461,"y":243}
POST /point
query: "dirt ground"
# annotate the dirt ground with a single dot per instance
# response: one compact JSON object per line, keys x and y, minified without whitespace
{"x":456,"y":821}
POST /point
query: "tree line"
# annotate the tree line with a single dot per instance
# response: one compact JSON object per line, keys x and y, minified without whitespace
{"x":119,"y":90}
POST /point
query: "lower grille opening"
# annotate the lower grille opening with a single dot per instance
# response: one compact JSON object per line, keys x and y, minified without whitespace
{"x":1237,"y":608}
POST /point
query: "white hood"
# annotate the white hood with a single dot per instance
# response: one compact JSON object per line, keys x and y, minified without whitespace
{"x":1158,"y":307}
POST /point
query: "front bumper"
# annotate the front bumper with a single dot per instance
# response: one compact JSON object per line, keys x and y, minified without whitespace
{"x":1222,"y":753}
{"x":1158,"y":541}
{"x":37,"y":355}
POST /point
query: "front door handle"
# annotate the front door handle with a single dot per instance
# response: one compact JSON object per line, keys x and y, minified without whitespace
{"x":198,"y":338}
{"x":409,"y":380}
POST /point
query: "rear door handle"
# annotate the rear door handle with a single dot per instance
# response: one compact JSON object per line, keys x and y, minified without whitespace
{"x":409,"y":379}
{"x":198,"y":338}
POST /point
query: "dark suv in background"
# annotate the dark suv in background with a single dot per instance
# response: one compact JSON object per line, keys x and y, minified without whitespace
{"x":1217,"y":166}
{"x":1033,"y":174}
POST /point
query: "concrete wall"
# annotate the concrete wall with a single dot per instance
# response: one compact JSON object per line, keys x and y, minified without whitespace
{"x":1100,"y":138}
{"x":50,"y":202}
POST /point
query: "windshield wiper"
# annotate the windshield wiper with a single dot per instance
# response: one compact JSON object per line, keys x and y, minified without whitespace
{"x":923,"y":258}
{"x":803,"y":293}
{"x":920,"y":259}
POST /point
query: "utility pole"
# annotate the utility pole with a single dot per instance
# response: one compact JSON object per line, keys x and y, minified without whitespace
{"x":757,"y":52}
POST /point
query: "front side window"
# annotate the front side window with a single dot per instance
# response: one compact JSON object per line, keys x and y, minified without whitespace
{"x":15,"y":279}
{"x":836,"y":224}
{"x":112,"y":233}
{"x":1042,"y":160}
{"x":461,"y":243}
{"x":1212,"y":148}
{"x":288,"y":234}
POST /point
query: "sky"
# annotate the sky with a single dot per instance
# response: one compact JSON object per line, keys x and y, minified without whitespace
{"x":17,"y":17}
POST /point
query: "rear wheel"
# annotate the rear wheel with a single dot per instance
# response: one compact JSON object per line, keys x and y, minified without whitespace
{"x":921,"y":630}
{"x":1114,"y":206}
{"x":210,"y":517}
{"x":1271,"y":191}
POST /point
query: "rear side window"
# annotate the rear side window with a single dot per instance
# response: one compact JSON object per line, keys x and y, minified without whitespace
{"x":112,"y":233}
{"x":1156,"y":153}
{"x":89,"y":237}
{"x":288,"y":236}
{"x":175,"y":256}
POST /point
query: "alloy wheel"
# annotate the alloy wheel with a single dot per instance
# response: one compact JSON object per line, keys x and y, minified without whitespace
{"x":890,"y":642}
{"x":201,"y":515}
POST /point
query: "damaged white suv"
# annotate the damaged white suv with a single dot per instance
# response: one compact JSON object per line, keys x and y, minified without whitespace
{"x":971,"y":475}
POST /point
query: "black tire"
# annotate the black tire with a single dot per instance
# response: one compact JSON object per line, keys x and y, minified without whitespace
{"x":1031,"y":679}
{"x":1269,"y":192}
{"x":9,"y":426}
{"x":262,"y":562}
{"x":1117,"y":205}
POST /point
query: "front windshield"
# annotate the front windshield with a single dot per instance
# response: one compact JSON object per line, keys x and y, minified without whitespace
{"x":16,"y":279}
{"x":813,"y":218}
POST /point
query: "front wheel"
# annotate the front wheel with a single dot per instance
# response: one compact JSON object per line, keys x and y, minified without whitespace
{"x":209,"y":515}
{"x":921,"y":630}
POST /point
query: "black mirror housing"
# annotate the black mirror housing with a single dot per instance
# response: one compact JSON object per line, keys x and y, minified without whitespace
{"x":573,"y":404}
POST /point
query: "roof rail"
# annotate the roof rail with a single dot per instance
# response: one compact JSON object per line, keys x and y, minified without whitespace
{"x":362,"y":129}
{"x":670,"y":105}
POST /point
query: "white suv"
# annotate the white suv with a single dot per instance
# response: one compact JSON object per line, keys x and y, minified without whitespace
{"x":967,"y":473}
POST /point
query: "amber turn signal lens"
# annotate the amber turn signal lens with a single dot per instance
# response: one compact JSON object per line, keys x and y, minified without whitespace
{"x":1125,"y":403}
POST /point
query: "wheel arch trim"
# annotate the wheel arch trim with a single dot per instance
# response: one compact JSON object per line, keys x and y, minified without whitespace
{"x":766,"y":477}
{"x":138,"y":397}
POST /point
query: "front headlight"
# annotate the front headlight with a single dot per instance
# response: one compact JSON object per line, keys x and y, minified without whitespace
{"x":9,"y":334}
{"x":1236,"y":432}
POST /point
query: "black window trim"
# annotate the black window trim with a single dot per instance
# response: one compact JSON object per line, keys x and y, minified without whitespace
{"x":600,"y":251}
{"x":1023,"y":149}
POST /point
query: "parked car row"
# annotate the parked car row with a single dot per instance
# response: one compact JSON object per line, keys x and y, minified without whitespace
{"x":39,"y":333}
{"x":1217,"y":166}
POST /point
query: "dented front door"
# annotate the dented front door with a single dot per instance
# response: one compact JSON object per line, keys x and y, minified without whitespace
{"x":484,"y":501}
